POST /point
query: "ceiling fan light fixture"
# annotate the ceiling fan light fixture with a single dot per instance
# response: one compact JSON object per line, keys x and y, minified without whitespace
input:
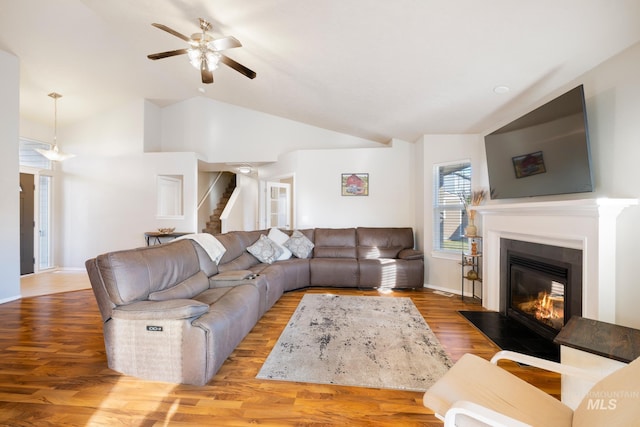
{"x":204,"y":51}
{"x":196,"y":55}
{"x":213,"y":60}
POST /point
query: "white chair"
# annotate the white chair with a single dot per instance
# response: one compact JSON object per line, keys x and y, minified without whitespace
{"x":476,"y":392}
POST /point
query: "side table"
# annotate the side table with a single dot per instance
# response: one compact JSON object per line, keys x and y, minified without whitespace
{"x":156,"y":236}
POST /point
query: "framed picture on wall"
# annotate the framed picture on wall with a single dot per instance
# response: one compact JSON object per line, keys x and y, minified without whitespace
{"x":355,"y":184}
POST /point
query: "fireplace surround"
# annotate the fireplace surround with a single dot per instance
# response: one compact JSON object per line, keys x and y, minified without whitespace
{"x":588,"y":225}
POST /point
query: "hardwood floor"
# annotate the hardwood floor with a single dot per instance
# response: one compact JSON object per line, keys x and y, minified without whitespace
{"x":52,"y":282}
{"x":53,"y":371}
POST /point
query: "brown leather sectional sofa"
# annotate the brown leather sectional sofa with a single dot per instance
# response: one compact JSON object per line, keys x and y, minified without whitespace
{"x":172,"y":314}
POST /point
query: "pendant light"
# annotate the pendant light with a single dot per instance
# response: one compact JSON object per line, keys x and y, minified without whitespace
{"x":54,"y":153}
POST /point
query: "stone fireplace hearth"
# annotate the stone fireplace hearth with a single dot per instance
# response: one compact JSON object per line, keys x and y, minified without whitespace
{"x":588,"y":225}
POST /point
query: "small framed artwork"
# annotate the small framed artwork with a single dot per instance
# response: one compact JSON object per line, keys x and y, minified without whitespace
{"x":355,"y":184}
{"x":528,"y":164}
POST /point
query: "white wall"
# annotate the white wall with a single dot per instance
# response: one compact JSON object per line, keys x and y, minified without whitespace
{"x":9,"y":178}
{"x":107,"y":203}
{"x":36,"y":131}
{"x":116,"y":132}
{"x":318,"y":198}
{"x":226,"y":133}
{"x":443,"y":272}
{"x":152,"y":127}
{"x":612,"y":93}
{"x":106,"y":195}
{"x":242,"y":212}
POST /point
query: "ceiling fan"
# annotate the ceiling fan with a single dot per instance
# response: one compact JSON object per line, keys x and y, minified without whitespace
{"x":204,"y":51}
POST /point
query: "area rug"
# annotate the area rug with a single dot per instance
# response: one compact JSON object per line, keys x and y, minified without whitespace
{"x":377,"y":342}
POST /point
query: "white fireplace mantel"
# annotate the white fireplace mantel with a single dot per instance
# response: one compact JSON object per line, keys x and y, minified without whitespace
{"x":585,"y":224}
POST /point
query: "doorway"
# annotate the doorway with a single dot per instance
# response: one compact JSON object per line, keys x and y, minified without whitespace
{"x":36,"y":207}
{"x":279,"y":203}
{"x":27,"y":223}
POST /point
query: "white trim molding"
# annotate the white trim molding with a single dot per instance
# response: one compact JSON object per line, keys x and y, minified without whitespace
{"x":585,"y":224}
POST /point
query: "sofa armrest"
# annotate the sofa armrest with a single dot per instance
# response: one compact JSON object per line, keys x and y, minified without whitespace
{"x":410,"y":254}
{"x":547,"y":365}
{"x":161,"y":310}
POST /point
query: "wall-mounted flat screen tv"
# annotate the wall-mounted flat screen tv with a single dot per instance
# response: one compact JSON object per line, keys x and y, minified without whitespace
{"x":542,"y":153}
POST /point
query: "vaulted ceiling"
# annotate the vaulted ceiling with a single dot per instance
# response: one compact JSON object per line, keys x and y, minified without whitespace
{"x":369,"y":68}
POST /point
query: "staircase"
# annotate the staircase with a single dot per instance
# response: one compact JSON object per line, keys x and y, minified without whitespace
{"x":214,"y":225}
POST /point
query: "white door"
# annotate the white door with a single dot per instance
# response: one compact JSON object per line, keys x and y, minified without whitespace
{"x":278,"y":205}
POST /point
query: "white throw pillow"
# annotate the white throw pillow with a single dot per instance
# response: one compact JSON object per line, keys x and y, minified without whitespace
{"x":279,"y":237}
{"x":299,"y":245}
{"x":265,"y":249}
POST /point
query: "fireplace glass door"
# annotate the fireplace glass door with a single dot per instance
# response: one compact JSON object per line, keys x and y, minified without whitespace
{"x":538,"y":297}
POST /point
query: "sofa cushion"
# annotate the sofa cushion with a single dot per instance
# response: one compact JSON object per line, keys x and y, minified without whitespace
{"x":342,"y":272}
{"x":230,"y":278}
{"x":161,"y":310}
{"x":335,"y":243}
{"x":374,"y":252}
{"x":299,"y":245}
{"x":383,"y":272}
{"x":279,"y":238}
{"x":131,"y":275}
{"x":246,"y":261}
{"x":233,"y":275}
{"x":186,"y":289}
{"x":233,"y":245}
{"x":295,"y":273}
{"x":383,"y":242}
{"x":410,"y":254}
{"x":207,"y":265}
{"x":265,"y":250}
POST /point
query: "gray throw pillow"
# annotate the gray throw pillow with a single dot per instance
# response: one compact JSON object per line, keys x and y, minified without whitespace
{"x":299,"y":245}
{"x":265,"y":249}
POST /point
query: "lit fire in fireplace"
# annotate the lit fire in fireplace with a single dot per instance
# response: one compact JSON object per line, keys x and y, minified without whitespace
{"x":547,"y":308}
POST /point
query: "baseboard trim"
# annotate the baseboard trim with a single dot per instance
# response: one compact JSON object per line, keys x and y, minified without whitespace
{"x":442,"y":289}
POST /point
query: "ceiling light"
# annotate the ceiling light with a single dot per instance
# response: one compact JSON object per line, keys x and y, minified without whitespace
{"x":501,"y":89}
{"x":200,"y":56}
{"x":245,"y":169}
{"x":54,"y":153}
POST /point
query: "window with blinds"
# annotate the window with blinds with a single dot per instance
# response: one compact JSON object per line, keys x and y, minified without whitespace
{"x":28,"y":156}
{"x":452,"y":183}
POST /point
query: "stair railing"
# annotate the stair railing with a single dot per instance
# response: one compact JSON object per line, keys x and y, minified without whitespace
{"x":209,"y":190}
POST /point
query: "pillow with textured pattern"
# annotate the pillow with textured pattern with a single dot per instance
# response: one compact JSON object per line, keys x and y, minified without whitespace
{"x":265,"y":249}
{"x":299,"y":245}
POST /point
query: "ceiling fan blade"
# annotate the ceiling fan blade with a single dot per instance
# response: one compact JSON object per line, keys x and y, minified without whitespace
{"x":167,"y":54}
{"x":225,"y":43}
{"x":237,"y":66}
{"x":172,"y":31}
